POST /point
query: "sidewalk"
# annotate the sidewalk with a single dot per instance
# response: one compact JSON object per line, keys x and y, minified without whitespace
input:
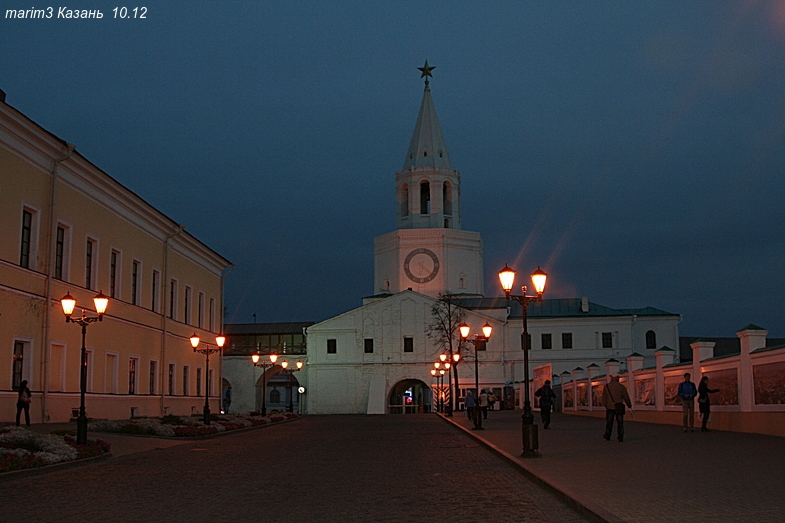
{"x":658,"y":474}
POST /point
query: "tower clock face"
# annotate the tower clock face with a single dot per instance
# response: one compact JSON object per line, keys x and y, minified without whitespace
{"x":421,"y":265}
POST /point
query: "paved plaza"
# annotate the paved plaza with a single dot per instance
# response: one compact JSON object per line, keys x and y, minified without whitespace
{"x":658,"y":474}
{"x":338,"y":468}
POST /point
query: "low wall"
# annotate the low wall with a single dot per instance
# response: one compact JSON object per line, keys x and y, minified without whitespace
{"x":770,"y":423}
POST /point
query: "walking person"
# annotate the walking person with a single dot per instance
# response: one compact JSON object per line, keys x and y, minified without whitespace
{"x":546,"y":395}
{"x":23,"y":403}
{"x":484,"y":404}
{"x":615,"y":397}
{"x":704,"y":404}
{"x":470,"y":404}
{"x":687,"y":393}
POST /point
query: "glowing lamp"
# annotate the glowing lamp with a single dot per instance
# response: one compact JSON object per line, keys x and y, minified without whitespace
{"x":299,"y":364}
{"x":255,"y":358}
{"x":273,"y":357}
{"x":68,"y":302}
{"x":456,"y":357}
{"x":486,"y":330}
{"x":101,"y":302}
{"x":437,"y":364}
{"x":465,"y":330}
{"x":220,"y":340}
{"x":507,"y":278}
{"x":433,"y":372}
{"x":538,"y":278}
{"x":442,"y":371}
{"x":442,"y":356}
{"x":194,"y":340}
{"x":284,"y":364}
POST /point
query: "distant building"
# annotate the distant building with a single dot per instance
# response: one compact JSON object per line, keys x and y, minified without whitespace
{"x":68,"y":227}
{"x":249,"y":383}
{"x":377,"y":358}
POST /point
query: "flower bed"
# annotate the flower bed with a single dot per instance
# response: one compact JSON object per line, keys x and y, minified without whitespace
{"x":185,"y":426}
{"x":21,"y":448}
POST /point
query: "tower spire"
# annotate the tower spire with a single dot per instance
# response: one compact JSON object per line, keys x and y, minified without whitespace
{"x":427,"y":147}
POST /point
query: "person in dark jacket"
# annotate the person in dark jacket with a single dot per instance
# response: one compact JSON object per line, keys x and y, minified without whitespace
{"x":687,"y":393}
{"x":704,"y":404}
{"x":23,"y":403}
{"x":615,"y":397}
{"x":546,"y":395}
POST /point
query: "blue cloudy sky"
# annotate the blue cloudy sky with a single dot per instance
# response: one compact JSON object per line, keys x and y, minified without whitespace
{"x":634,"y":150}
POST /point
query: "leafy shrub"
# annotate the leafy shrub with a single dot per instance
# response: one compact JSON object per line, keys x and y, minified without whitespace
{"x":133,"y":428}
{"x":171,"y":419}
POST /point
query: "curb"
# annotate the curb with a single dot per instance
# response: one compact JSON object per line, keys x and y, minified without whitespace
{"x":583,"y":506}
{"x":16,"y":474}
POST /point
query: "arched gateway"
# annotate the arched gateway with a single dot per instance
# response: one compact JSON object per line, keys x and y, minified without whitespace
{"x":409,"y":397}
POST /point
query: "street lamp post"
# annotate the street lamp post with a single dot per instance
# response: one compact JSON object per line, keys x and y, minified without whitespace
{"x":440,"y":368}
{"x":219,"y":341}
{"x":264,"y":365}
{"x":434,"y":374}
{"x":285,"y":365}
{"x":478,"y":340}
{"x":68,"y":303}
{"x":528,"y":428}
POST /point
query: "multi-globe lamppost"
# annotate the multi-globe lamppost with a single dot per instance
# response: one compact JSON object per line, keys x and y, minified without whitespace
{"x":285,"y":365}
{"x":479,"y":339}
{"x":68,"y":303}
{"x":528,"y":427}
{"x":264,"y":365}
{"x":440,"y":368}
{"x":207,"y":350}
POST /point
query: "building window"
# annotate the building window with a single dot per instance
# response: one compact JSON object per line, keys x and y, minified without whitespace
{"x":199,"y":382}
{"x":408,"y":344}
{"x":171,"y":379}
{"x":153,"y":375}
{"x":404,"y":201}
{"x":59,"y":251}
{"x":607,"y":340}
{"x":547,"y":342}
{"x":154,"y":300}
{"x":200,"y":312}
{"x":212,"y":315}
{"x":186,"y":373}
{"x":172,"y":299}
{"x":332,"y":346}
{"x":651,"y":340}
{"x":528,"y":341}
{"x":187,"y":305}
{"x":447,"y":198}
{"x":18,"y":364}
{"x":135,"y":283}
{"x":275,"y":396}
{"x":368,"y":345}
{"x":91,"y":252}
{"x":425,"y":198}
{"x":566,"y":340}
{"x":114,"y":259}
{"x":132,"y":364}
{"x":26,"y":243}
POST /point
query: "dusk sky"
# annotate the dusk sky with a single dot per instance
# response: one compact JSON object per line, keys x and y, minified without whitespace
{"x":634,"y":150}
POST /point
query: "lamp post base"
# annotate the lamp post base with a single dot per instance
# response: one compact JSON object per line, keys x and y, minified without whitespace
{"x":81,"y":429}
{"x":206,"y":415}
{"x":530,"y":441}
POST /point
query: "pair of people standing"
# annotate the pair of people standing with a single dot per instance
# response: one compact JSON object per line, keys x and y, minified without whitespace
{"x":687,"y":393}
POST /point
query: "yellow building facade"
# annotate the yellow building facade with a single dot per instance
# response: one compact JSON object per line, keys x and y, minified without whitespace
{"x":68,"y":227}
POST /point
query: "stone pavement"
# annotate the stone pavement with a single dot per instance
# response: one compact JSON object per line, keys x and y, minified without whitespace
{"x":316,"y":469}
{"x":658,"y":474}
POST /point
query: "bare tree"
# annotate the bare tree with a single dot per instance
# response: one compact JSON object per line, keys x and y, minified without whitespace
{"x":446,"y":317}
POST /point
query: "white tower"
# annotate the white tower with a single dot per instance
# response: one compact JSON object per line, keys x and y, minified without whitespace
{"x":429,"y":252}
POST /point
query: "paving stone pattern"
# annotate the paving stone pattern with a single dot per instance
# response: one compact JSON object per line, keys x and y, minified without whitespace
{"x":658,"y":474}
{"x":317,"y":469}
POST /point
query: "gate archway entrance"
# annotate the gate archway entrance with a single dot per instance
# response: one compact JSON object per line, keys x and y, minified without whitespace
{"x":409,"y":397}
